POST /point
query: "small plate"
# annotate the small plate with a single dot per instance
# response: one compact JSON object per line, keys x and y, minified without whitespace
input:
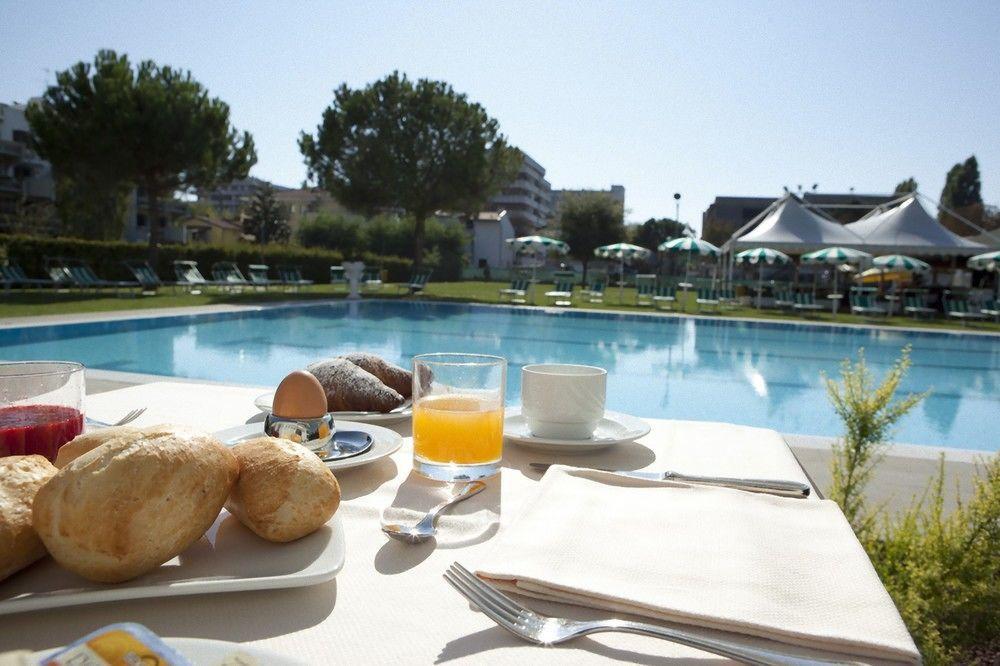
{"x":205,"y":652}
{"x":263,"y":403}
{"x":385,"y":442}
{"x":614,"y":428}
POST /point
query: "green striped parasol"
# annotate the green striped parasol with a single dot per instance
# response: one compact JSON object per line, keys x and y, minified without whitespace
{"x":901,"y":262}
{"x":689,"y":245}
{"x":622,"y":252}
{"x":542,"y":243}
{"x":762,"y":255}
{"x":988,"y":261}
{"x":835,"y":255}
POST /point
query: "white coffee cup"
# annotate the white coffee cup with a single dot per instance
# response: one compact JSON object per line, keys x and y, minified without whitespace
{"x":562,"y":401}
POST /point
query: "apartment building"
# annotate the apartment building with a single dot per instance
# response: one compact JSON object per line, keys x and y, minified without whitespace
{"x":527,"y":199}
{"x":229,"y":200}
{"x":25,"y":178}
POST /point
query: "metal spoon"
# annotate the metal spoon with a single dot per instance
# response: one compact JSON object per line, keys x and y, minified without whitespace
{"x":425,"y":529}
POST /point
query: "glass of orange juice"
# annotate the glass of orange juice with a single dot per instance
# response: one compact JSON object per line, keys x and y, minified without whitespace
{"x":458,"y":415}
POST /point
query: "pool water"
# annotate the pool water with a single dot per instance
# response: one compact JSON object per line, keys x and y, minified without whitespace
{"x":760,"y":374}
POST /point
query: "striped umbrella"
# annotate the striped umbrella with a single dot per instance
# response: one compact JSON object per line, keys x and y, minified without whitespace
{"x":760,"y":256}
{"x":902,"y":262}
{"x":623,"y":252}
{"x":542,"y":244}
{"x":836,"y":255}
{"x":690,"y":246}
{"x":988,"y":261}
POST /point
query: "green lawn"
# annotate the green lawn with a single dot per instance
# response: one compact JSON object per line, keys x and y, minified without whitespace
{"x":17,"y":304}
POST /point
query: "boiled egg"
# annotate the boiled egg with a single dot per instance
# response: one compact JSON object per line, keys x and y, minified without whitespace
{"x":299,"y":396}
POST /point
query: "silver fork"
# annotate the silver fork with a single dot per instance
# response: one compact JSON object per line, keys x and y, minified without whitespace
{"x":128,"y":418}
{"x":543,"y":630}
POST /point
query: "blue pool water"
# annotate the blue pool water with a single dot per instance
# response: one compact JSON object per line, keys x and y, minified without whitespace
{"x":759,"y":374}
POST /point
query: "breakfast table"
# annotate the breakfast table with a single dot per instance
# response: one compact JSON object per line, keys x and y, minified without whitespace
{"x":390,"y":604}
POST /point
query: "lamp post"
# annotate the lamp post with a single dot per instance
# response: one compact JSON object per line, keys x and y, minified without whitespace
{"x":677,"y":206}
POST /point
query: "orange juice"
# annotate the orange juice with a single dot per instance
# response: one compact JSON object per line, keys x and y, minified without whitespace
{"x":458,"y":430}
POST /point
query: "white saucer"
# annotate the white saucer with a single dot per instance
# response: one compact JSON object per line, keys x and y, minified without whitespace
{"x":205,"y":652}
{"x":613,"y":429}
{"x":263,"y":403}
{"x":385,"y":442}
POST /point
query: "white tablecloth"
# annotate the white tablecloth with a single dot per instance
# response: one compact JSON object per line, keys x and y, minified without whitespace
{"x":390,"y":604}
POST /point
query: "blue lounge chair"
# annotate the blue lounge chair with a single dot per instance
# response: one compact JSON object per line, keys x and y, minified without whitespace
{"x":594,"y":291}
{"x":916,"y":305}
{"x":805,"y":303}
{"x":863,"y":303}
{"x":707,"y":298}
{"x":517,"y":292}
{"x":561,"y":293}
{"x":957,"y":307}
{"x":338,"y":277}
{"x":291,"y":277}
{"x":645,"y":289}
{"x":418,"y":282}
{"x":149,"y":282}
{"x":258,"y":276}
{"x":665,"y":297}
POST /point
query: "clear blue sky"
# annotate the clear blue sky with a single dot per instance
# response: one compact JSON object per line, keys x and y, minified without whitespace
{"x":702,"y":98}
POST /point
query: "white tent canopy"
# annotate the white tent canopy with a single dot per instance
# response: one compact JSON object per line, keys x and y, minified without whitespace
{"x":790,"y":226}
{"x":909,"y":228}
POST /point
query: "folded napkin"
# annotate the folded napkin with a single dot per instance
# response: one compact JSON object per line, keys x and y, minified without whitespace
{"x":787,"y":570}
{"x":470,"y":521}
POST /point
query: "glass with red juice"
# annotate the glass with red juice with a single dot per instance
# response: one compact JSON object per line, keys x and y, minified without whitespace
{"x":41,"y":406}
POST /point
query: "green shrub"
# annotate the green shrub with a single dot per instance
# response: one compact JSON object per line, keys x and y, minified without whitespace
{"x":106,"y":257}
{"x":942,"y":571}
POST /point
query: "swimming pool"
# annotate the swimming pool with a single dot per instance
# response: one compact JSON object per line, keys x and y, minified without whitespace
{"x":754,"y":373}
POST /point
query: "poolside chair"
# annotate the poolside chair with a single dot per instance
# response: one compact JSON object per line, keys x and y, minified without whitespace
{"x":144,"y":275}
{"x":418,"y":282}
{"x":371,"y":280}
{"x":517,"y":292}
{"x":645,"y":289}
{"x":594,"y":289}
{"x":291,"y":277}
{"x":665,"y":297}
{"x":863,"y":303}
{"x":258,"y":276}
{"x":85,"y":277}
{"x":338,"y":277}
{"x":707,"y":298}
{"x":228,"y":275}
{"x":783,"y":298}
{"x":916,"y":305}
{"x":562,"y":291}
{"x":805,"y":303}
{"x":14,"y":276}
{"x":958,"y":308}
{"x":58,"y":274}
{"x":727,"y":298}
{"x":190,"y":278}
{"x":991,"y":308}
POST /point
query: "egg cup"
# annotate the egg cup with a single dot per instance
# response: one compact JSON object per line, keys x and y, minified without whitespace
{"x":314,"y":434}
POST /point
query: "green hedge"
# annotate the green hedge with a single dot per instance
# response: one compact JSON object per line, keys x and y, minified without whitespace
{"x":106,"y":257}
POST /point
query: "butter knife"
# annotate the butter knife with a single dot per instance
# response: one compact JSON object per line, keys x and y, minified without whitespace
{"x":769,"y":486}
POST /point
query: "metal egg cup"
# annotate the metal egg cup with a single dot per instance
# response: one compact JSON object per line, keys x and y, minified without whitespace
{"x":319,"y":435}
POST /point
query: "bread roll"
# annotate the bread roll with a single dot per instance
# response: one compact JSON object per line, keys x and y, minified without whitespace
{"x":284,"y":492}
{"x":76,"y":447}
{"x":348,"y":387}
{"x":20,"y":479}
{"x":133,"y":503}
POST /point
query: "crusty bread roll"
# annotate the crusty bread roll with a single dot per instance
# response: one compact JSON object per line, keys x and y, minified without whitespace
{"x":88,"y":441}
{"x":133,"y":503}
{"x":284,"y":492}
{"x":348,"y":387}
{"x":20,"y":479}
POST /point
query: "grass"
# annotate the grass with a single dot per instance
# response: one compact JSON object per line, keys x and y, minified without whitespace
{"x":33,"y":303}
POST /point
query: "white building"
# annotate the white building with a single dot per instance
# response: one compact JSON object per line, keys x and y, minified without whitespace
{"x":527,"y":199}
{"x":25,"y":177}
{"x":615,"y":193}
{"x":488,"y":234}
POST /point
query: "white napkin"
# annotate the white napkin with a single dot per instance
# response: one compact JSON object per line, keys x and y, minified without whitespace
{"x":788,"y":570}
{"x":470,"y":521}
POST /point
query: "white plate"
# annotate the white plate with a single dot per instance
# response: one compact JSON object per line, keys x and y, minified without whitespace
{"x":205,"y":652}
{"x":613,"y":429}
{"x":385,"y":442}
{"x":263,"y":403}
{"x":228,"y":558}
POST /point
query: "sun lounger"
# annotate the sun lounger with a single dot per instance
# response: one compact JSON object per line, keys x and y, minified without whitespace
{"x":228,"y":274}
{"x":14,"y":276}
{"x":562,"y":291}
{"x":727,"y":298}
{"x":958,"y":308}
{"x":291,"y":277}
{"x":707,"y":298}
{"x":85,"y":277}
{"x":991,"y":309}
{"x":144,"y":275}
{"x":371,"y":280}
{"x":594,"y":291}
{"x":915,"y":305}
{"x":258,"y":276}
{"x":805,"y":302}
{"x":190,"y":278}
{"x":783,"y":298}
{"x":665,"y":296}
{"x":645,"y":289}
{"x":338,"y":277}
{"x":863,"y":303}
{"x":517,"y":291}
{"x":418,"y":282}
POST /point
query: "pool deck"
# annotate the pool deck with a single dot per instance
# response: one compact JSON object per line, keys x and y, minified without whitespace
{"x":902,"y":476}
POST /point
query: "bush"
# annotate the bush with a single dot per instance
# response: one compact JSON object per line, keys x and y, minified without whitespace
{"x":106,"y":257}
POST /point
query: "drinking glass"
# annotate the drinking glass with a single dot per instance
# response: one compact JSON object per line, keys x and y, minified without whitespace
{"x":458,"y":415}
{"x":41,"y":406}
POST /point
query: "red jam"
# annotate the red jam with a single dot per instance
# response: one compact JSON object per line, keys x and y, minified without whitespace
{"x":37,"y":429}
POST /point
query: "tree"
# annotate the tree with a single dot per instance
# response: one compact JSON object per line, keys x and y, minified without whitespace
{"x":91,"y":207}
{"x":962,"y":194}
{"x":148,"y":126}
{"x":416,"y":147}
{"x":267,"y":218}
{"x":906,"y":186}
{"x":654,"y":231}
{"x":589,"y":221}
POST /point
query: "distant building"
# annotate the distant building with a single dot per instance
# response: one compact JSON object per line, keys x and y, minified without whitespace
{"x":229,"y":200}
{"x":726,"y":215}
{"x":306,"y":203}
{"x":527,"y":199}
{"x":138,"y":219}
{"x":206,"y":229}
{"x":488,"y":234}
{"x":615,"y":193}
{"x":25,"y":178}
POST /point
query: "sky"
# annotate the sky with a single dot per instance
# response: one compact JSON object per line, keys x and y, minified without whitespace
{"x":704,"y":98}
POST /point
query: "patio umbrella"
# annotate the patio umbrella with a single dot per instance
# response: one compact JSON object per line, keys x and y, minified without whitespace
{"x":761,"y":256}
{"x":542,"y":244}
{"x":988,"y":261}
{"x":690,"y":246}
{"x":835,"y":255}
{"x":901,"y":262}
{"x":622,"y":252}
